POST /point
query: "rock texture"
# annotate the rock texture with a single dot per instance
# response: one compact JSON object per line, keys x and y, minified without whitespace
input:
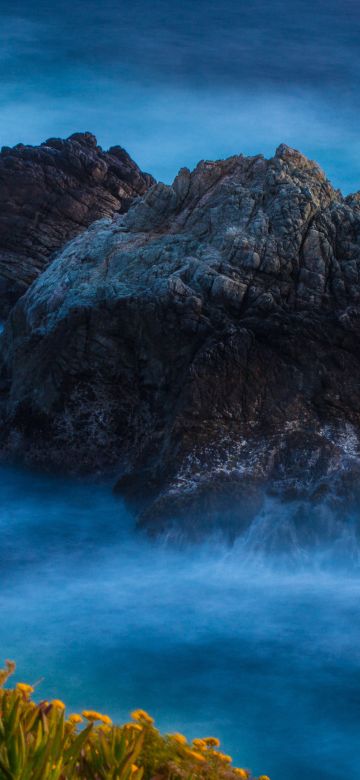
{"x":49,"y":194}
{"x":204,"y":346}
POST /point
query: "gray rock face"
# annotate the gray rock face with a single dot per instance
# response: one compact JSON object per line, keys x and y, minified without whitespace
{"x":204,"y":345}
{"x":52,"y":192}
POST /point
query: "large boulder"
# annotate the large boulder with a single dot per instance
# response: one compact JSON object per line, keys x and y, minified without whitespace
{"x":204,"y":346}
{"x":49,"y":194}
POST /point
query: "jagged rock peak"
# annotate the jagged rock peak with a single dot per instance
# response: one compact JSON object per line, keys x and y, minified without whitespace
{"x":88,"y":139}
{"x":289,"y":176}
{"x":49,"y":194}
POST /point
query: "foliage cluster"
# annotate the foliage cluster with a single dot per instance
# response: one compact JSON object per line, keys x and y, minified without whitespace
{"x":42,"y":742}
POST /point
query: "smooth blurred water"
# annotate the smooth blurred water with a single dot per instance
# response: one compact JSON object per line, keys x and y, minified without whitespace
{"x":261,"y":651}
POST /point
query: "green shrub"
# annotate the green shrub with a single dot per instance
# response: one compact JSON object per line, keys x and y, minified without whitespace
{"x":41,"y":742}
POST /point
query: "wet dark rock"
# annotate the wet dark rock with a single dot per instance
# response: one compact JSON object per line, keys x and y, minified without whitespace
{"x":49,"y":194}
{"x":204,"y":346}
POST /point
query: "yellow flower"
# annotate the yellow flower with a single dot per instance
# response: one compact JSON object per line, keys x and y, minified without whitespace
{"x":222,"y":757}
{"x":194,"y":754}
{"x":211,"y":741}
{"x":264,"y":777}
{"x":241,"y":773}
{"x":24,"y":688}
{"x":92,"y":715}
{"x":105,"y":729}
{"x":179,"y":738}
{"x":58,"y":704}
{"x":134,"y":726}
{"x":75,"y":718}
{"x":199,"y":744}
{"x":134,"y":768}
{"x":143,"y":716}
{"x":105,"y":719}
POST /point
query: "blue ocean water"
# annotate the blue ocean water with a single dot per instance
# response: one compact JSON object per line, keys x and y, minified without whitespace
{"x":259,"y":650}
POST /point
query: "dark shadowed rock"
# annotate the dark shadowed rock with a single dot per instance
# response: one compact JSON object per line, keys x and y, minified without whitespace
{"x":204,"y":345}
{"x":49,"y":194}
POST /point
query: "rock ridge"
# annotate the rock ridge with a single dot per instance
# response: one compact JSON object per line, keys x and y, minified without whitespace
{"x":49,"y":194}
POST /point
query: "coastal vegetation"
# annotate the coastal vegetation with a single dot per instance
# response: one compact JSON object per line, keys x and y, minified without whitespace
{"x":42,"y":741}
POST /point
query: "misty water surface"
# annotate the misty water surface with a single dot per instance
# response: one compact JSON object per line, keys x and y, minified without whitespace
{"x":261,"y":651}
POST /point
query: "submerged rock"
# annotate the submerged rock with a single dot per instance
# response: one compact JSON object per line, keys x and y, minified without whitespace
{"x":204,"y":345}
{"x":49,"y":194}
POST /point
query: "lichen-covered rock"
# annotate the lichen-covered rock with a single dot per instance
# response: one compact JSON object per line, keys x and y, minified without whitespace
{"x":204,"y":345}
{"x":49,"y":194}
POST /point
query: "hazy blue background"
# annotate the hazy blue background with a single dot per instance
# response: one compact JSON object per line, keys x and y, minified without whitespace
{"x":174,"y":81}
{"x":261,"y":650}
{"x":263,"y":653}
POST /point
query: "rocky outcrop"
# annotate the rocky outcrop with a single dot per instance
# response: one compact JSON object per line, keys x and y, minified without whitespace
{"x":49,"y":194}
{"x":204,"y":345}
